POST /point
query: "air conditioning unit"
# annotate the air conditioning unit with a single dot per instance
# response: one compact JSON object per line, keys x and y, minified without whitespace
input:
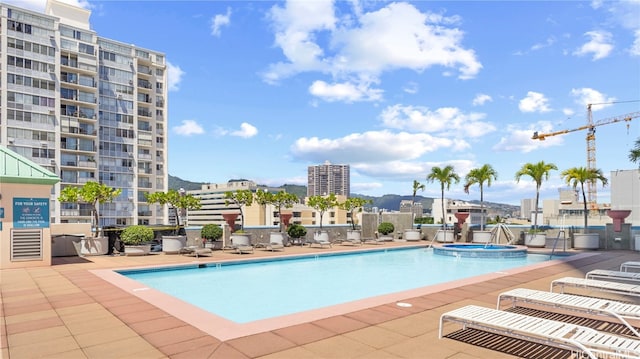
{"x":43,"y":145}
{"x":52,"y":70}
{"x":53,"y":162}
{"x":11,"y":139}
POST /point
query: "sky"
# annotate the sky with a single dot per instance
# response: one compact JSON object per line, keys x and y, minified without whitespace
{"x":261,"y":90}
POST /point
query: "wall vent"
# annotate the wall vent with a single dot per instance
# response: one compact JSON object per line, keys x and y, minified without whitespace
{"x":26,"y":244}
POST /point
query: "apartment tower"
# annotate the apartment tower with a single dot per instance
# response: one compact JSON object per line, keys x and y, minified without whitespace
{"x":86,"y":108}
{"x":327,"y":178}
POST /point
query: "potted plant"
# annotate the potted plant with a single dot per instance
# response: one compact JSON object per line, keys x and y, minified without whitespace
{"x":297,"y":231}
{"x":94,"y":194}
{"x":212,"y":232}
{"x":137,"y":240}
{"x":354,"y":205}
{"x":446,"y":176}
{"x":487,"y":174}
{"x":239,"y":198}
{"x":579,"y":175}
{"x":538,"y":172}
{"x":385,"y":229}
{"x":322,"y":204}
{"x":179,"y":201}
{"x":279,"y":200}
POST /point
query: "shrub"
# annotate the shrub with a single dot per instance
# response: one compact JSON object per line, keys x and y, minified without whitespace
{"x":212,"y":232}
{"x":296,"y":231}
{"x":135,"y":235}
{"x":385,"y":228}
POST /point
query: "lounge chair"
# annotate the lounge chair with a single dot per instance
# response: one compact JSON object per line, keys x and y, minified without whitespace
{"x":350,"y":241}
{"x":241,"y":244}
{"x":374,"y":240}
{"x":624,"y":267}
{"x":619,"y":311}
{"x":275,"y":244}
{"x":195,"y":251}
{"x":613,"y":275}
{"x":594,"y":284}
{"x":544,"y":331}
{"x":319,"y":241}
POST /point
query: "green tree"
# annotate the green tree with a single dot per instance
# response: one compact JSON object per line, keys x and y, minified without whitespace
{"x":176,"y":200}
{"x":354,"y":205}
{"x":485,"y":174}
{"x":446,"y":176}
{"x":240,"y":198}
{"x":579,"y":175}
{"x":280,"y":200}
{"x":416,"y":186}
{"x":634,"y":154}
{"x":322,"y":204}
{"x":538,"y":172}
{"x":92,"y":193}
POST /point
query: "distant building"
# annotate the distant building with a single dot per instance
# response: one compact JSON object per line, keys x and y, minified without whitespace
{"x":527,"y":206}
{"x":451,"y":207}
{"x":327,"y":178}
{"x":407,"y":207}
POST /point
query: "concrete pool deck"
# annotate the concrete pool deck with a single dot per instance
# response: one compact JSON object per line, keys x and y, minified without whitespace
{"x":67,"y":311}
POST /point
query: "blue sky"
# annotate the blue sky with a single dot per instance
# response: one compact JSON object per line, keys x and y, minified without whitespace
{"x":261,"y":89}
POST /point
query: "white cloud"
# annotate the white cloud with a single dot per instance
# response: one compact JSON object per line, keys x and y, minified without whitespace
{"x":520,"y":139}
{"x":600,"y":45}
{"x":534,"y":102}
{"x":369,"y":147}
{"x":399,"y":170}
{"x":411,"y":88}
{"x":174,"y":76}
{"x":363,"y":45}
{"x":481,"y":99}
{"x":246,"y":131}
{"x":219,"y":21}
{"x":188,"y":128}
{"x":585,"y":96}
{"x":445,"y":121}
{"x":541,"y":45}
{"x":346,"y":91}
{"x":635,"y":47}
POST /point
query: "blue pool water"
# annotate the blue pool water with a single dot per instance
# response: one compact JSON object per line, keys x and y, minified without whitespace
{"x":245,"y":292}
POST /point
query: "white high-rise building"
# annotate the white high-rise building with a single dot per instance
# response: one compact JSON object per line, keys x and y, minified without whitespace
{"x":85,"y":107}
{"x":327,"y":178}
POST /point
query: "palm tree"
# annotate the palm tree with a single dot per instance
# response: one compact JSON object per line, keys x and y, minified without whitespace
{"x":579,"y":175}
{"x":487,"y":174}
{"x":538,"y":172}
{"x":416,"y":186}
{"x":446,"y":176}
{"x":634,"y":154}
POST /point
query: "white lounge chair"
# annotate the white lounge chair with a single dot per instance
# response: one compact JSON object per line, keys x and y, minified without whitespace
{"x":624,"y":267}
{"x":195,"y":251}
{"x":619,"y":311}
{"x":594,"y":284}
{"x":374,"y":240}
{"x":320,"y":242}
{"x":544,"y":331}
{"x":275,"y":244}
{"x":241,"y":244}
{"x":604,"y":274}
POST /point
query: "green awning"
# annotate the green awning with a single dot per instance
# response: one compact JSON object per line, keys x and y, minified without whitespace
{"x":17,"y":169}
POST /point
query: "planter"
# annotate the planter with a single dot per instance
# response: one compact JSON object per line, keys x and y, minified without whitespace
{"x":586,"y":240}
{"x":241,"y":239}
{"x":277,"y":237}
{"x":321,"y":236}
{"x":93,"y":246}
{"x":481,"y":237}
{"x":538,"y":240}
{"x":412,"y":235}
{"x":137,"y":250}
{"x":173,"y":244}
{"x":65,"y":245}
{"x":354,"y":235}
{"x":444,"y":236}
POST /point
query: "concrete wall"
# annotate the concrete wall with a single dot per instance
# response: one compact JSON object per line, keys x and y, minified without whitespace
{"x":9,"y":192}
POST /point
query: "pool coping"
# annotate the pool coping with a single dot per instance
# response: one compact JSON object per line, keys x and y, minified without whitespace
{"x":224,"y":329}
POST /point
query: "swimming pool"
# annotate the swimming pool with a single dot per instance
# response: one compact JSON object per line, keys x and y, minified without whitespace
{"x":245,"y":292}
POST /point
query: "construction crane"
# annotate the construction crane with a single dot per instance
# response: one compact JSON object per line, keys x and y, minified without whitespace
{"x":591,"y":143}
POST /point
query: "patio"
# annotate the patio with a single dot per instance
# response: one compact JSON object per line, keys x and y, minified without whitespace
{"x":66,"y":311}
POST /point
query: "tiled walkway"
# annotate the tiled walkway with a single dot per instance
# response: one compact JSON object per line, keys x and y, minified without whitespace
{"x":65,"y":311}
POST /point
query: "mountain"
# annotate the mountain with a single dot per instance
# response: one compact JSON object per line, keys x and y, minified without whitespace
{"x":388,"y":201}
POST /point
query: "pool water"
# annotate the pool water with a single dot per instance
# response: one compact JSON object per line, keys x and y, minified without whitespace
{"x":245,"y":292}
